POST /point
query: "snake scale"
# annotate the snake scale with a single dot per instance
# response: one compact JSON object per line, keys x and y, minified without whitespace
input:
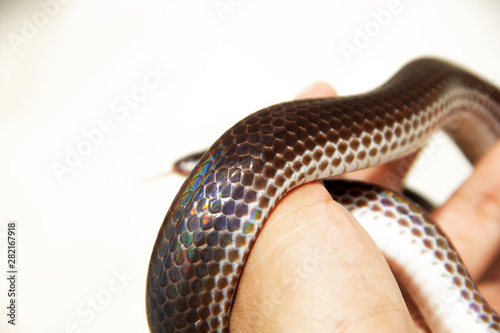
{"x":214,"y":220}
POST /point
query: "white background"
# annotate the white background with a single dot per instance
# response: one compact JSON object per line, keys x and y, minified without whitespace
{"x":77,"y":231}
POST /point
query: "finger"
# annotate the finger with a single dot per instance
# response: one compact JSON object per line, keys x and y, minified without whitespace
{"x":472,"y":216}
{"x":490,"y":285}
{"x":317,"y":90}
{"x":314,"y":268}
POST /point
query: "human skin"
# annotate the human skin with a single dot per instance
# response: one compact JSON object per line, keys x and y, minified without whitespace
{"x":313,"y":268}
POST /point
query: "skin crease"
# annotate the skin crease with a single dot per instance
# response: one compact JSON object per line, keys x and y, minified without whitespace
{"x":314,"y":268}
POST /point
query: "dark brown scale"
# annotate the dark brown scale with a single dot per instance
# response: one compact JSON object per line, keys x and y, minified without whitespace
{"x":429,"y":244}
{"x":208,"y":231}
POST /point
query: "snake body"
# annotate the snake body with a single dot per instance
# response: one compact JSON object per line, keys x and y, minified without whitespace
{"x":217,"y":214}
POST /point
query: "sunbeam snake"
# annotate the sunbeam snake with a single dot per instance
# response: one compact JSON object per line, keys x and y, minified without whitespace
{"x":214,"y":220}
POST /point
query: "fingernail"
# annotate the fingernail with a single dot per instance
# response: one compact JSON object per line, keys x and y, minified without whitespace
{"x":306,"y":91}
{"x":317,"y":90}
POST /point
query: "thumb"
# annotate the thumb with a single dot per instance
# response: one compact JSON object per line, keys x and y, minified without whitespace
{"x":314,"y":268}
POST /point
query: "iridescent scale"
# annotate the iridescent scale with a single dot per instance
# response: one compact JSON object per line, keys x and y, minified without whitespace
{"x":401,"y":229}
{"x":215,"y":218}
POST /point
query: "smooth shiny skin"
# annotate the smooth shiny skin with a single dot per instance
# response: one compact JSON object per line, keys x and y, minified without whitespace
{"x":215,"y":218}
{"x":436,"y":279}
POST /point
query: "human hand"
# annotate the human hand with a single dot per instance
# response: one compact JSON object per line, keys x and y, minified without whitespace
{"x":314,"y":268}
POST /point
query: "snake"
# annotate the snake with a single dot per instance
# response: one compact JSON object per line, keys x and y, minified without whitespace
{"x":216,"y":216}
